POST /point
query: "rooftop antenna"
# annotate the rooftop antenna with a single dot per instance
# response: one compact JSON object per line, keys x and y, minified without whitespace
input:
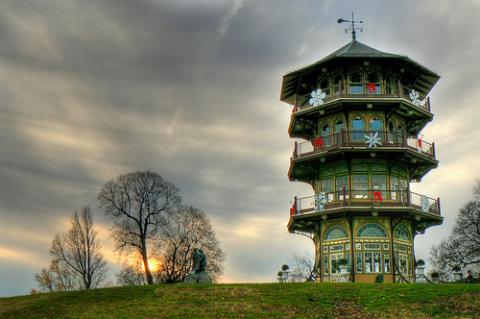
{"x":352,"y":27}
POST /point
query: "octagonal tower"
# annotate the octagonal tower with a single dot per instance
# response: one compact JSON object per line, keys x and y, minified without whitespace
{"x":357,"y":115}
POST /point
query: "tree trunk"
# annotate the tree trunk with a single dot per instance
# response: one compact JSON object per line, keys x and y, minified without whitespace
{"x":148,"y":273}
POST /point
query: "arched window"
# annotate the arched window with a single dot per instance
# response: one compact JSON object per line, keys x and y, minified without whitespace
{"x":335,"y":232}
{"x":388,"y":85}
{"x":372,"y":230}
{"x":401,"y":232}
{"x":358,"y":128}
{"x":355,"y":83}
{"x":324,"y":84}
{"x":339,"y":126}
{"x":337,"y":84}
{"x":373,"y":83}
{"x":376,"y":124}
{"x":391,"y":135}
{"x":326,"y":133}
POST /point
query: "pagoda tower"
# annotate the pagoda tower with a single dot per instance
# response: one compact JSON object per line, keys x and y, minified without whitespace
{"x":357,"y":115}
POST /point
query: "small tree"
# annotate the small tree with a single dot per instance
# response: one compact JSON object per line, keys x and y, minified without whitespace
{"x":304,"y":267}
{"x":77,"y":258}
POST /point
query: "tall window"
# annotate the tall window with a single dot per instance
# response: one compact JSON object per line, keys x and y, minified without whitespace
{"x":326,"y":134}
{"x":325,"y":86}
{"x":388,"y":85}
{"x":358,"y":128}
{"x":376,"y":124}
{"x":394,"y":188}
{"x":341,"y":185}
{"x":373,"y":83}
{"x":337,"y":84}
{"x":360,"y":186}
{"x":355,"y":84}
{"x":339,"y":126}
{"x":379,"y":184}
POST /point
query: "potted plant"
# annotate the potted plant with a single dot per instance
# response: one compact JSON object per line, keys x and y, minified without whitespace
{"x":343,"y":266}
{"x":420,"y":267}
{"x":285,"y":272}
{"x":435,"y":276}
{"x":457,"y":273}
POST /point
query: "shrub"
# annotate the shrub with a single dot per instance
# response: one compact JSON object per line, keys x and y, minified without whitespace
{"x":420,"y":263}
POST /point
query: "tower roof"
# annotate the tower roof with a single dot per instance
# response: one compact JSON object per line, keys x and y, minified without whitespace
{"x":425,"y":81}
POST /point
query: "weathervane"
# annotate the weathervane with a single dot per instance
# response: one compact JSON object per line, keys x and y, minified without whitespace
{"x":352,"y":27}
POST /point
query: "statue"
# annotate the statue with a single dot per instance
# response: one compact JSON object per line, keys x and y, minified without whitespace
{"x":199,"y":261}
{"x":199,"y":273}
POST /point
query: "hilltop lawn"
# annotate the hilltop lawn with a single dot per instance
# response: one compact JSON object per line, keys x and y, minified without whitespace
{"x":254,"y":301}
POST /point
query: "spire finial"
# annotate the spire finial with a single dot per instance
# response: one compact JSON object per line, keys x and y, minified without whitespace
{"x":352,"y":27}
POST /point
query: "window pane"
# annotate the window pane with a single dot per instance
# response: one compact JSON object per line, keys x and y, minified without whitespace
{"x":368,"y":262}
{"x":325,"y":86}
{"x":379,"y":184}
{"x":360,"y":186}
{"x":333,"y":263}
{"x":376,"y":125}
{"x":403,"y":264}
{"x":376,"y":262}
{"x":325,"y":264}
{"x":386,"y":262}
{"x":326,"y":132}
{"x":394,"y":187}
{"x":359,"y":261}
{"x":355,"y":83}
{"x":358,"y":128}
{"x":342,"y":185}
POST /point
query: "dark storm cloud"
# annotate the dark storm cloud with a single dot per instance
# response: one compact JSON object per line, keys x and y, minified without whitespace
{"x":93,"y":89}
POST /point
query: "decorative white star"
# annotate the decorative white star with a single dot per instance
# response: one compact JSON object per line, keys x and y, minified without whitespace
{"x":415,"y":97}
{"x":317,"y":97}
{"x":320,"y":201}
{"x":373,"y":140}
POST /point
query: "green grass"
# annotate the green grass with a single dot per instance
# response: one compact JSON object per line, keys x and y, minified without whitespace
{"x":254,"y":301}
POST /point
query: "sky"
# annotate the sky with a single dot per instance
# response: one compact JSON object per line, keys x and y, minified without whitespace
{"x":90,"y":89}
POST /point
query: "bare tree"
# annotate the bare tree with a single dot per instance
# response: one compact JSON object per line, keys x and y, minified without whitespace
{"x":137,"y":203}
{"x":304,"y":267}
{"x":187,"y":228}
{"x":462,"y":248}
{"x":56,"y":277}
{"x":131,"y":275}
{"x":80,"y":250}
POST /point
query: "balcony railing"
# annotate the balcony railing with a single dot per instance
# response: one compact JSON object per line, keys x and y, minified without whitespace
{"x":367,"y":198}
{"x":366,"y":90}
{"x":363,"y":139}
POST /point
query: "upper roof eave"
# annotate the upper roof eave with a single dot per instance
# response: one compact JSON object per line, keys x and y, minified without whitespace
{"x":355,"y":49}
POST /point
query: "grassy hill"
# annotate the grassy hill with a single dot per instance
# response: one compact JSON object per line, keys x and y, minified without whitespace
{"x":254,"y":301}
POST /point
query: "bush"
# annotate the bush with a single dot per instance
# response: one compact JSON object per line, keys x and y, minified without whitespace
{"x":420,"y":263}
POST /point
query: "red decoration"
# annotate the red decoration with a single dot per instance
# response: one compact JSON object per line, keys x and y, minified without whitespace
{"x":318,"y":143}
{"x":377,"y":196}
{"x":371,"y":88}
{"x":292,"y":210}
{"x":420,"y":143}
